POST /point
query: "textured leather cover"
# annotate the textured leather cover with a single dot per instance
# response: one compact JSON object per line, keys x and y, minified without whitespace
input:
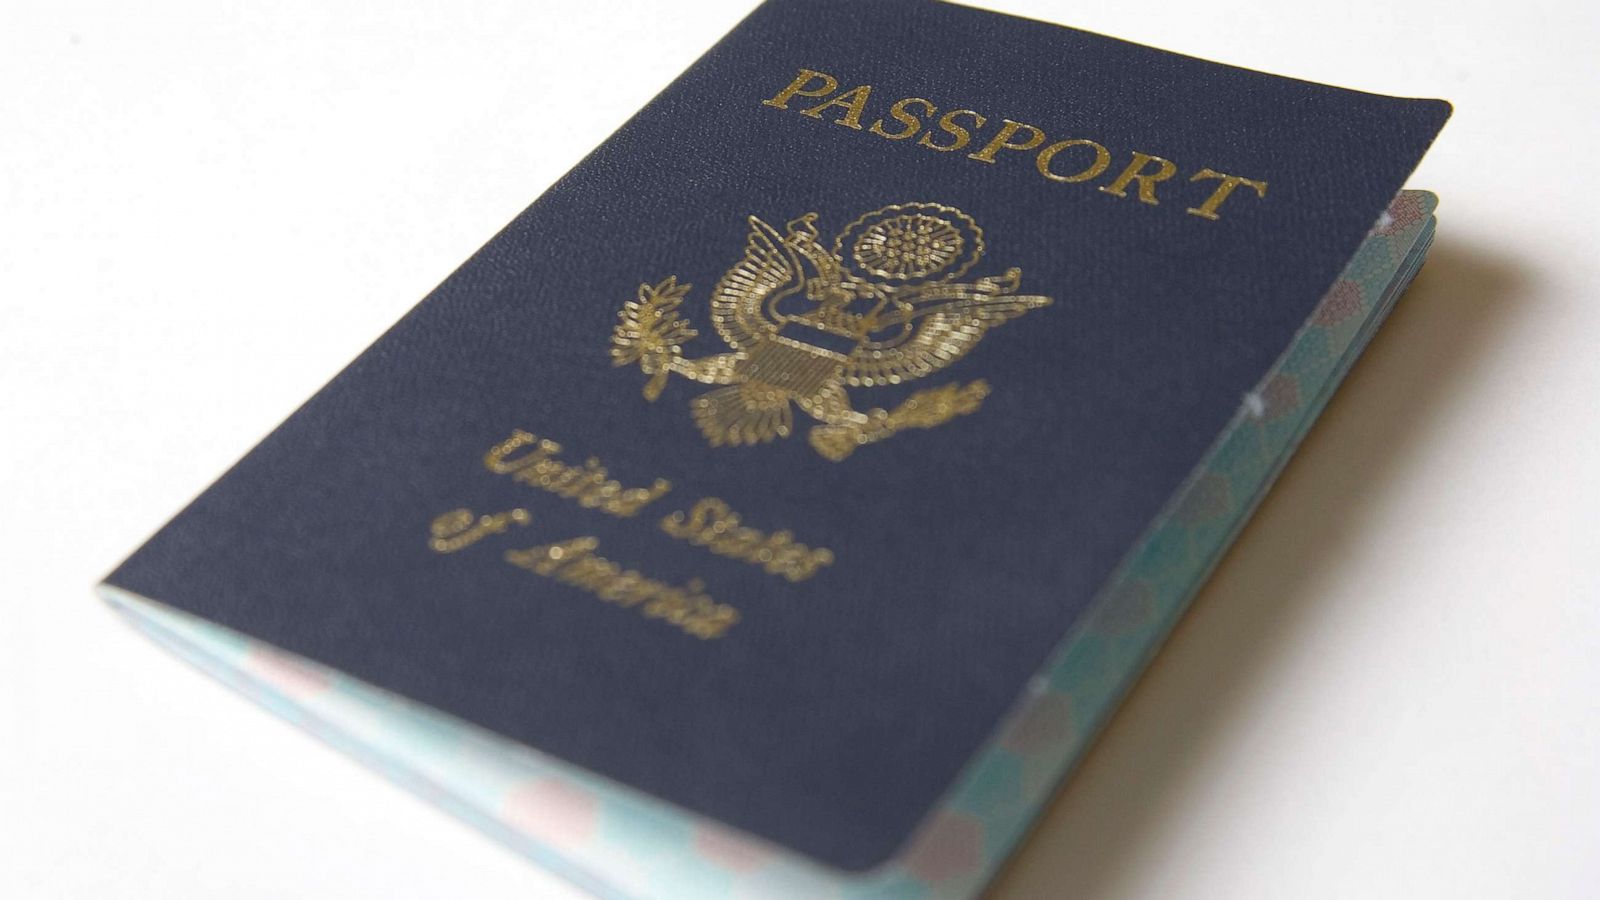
{"x":838,"y":707}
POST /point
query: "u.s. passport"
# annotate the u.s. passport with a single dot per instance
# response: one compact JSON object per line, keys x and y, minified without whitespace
{"x":781,"y":502}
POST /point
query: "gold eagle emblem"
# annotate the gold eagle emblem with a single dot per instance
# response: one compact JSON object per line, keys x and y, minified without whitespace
{"x":883,"y":306}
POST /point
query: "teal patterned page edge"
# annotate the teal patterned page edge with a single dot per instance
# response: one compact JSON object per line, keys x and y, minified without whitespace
{"x":613,"y":841}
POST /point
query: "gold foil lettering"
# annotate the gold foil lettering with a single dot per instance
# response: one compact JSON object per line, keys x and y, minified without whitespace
{"x":799,"y":88}
{"x":1102,"y":159}
{"x":712,"y":524}
{"x":1002,"y":141}
{"x":1208,"y":209}
{"x":854,"y":102}
{"x":957,"y":129}
{"x":947,"y":123}
{"x":575,"y":563}
{"x":898,"y":113}
{"x":459,"y":528}
{"x":590,"y":485}
{"x":1147,"y":180}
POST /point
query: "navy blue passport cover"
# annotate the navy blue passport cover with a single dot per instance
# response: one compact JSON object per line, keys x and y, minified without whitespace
{"x":935,"y":461}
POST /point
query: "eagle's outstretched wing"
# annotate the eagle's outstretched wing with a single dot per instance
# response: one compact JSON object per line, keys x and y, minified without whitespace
{"x":738,"y":301}
{"x":951,"y":319}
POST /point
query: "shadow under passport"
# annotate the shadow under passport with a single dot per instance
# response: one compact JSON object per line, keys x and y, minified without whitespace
{"x":1150,"y":758}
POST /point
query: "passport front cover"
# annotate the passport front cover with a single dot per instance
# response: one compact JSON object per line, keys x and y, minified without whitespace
{"x":761,"y":464}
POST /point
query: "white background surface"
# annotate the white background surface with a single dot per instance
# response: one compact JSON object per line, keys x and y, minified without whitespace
{"x":1390,"y":689}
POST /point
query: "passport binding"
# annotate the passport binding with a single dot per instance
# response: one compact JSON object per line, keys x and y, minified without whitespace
{"x":616,"y":841}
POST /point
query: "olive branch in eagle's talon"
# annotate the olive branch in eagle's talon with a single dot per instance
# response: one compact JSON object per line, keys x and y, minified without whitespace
{"x":650,"y":332}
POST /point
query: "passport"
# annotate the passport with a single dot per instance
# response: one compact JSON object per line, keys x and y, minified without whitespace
{"x":780,"y":503}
